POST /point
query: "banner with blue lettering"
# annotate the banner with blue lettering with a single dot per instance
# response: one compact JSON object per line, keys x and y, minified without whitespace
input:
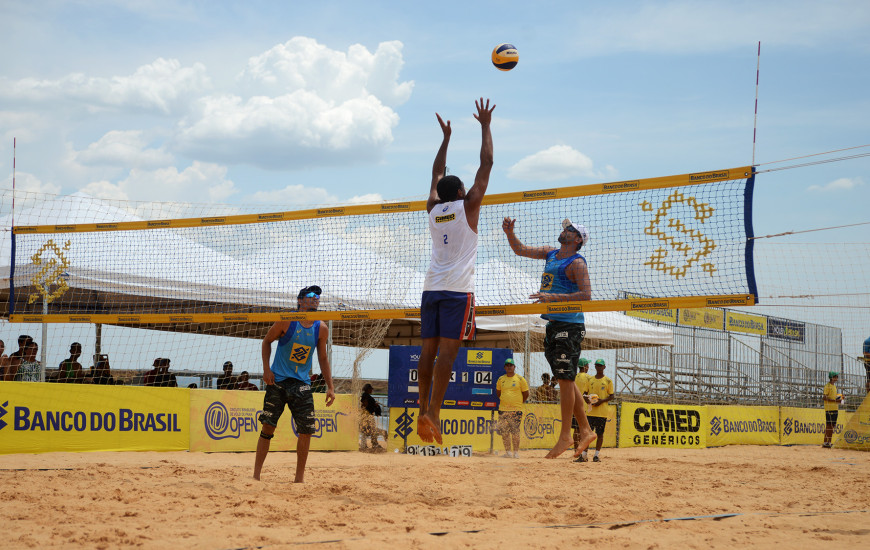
{"x":472,"y":383}
{"x":38,"y":418}
{"x":806,"y":426}
{"x":736,"y":425}
{"x":227,"y":420}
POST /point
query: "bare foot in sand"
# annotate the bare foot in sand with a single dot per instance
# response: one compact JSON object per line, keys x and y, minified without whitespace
{"x":562,"y":445}
{"x":585,"y":441}
{"x":427,"y":429}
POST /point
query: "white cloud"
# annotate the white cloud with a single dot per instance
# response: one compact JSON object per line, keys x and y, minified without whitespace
{"x":163,"y":86}
{"x":309,"y":106}
{"x":559,"y":162}
{"x":123,"y":148}
{"x":200,"y":182}
{"x":841,"y":184}
{"x":295,"y":195}
{"x":368,"y":198}
{"x":302,"y":63}
{"x":25,"y":181}
{"x":296,"y":130}
{"x":105,"y":190}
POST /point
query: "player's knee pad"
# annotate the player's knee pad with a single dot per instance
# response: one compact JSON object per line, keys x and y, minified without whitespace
{"x":266,"y":436}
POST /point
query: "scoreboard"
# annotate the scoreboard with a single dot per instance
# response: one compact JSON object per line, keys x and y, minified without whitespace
{"x":472,"y":382}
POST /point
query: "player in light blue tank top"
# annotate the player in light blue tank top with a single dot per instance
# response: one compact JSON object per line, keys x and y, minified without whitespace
{"x":565,"y":279}
{"x":288,"y":379}
{"x":555,"y":281}
{"x":295,"y":352}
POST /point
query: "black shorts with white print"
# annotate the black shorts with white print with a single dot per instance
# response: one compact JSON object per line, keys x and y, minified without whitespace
{"x":562,"y":348}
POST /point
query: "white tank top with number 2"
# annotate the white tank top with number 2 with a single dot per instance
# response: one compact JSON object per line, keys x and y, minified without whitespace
{"x":454,"y":249}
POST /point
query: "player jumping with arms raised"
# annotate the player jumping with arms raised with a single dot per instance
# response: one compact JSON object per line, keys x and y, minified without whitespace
{"x":447,"y":309}
{"x":565,"y":278}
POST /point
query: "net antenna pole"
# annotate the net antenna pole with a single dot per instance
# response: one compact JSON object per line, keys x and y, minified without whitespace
{"x":755,"y":121}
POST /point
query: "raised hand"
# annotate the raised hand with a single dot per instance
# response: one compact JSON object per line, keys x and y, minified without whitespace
{"x":445,"y":128}
{"x":484,"y":112}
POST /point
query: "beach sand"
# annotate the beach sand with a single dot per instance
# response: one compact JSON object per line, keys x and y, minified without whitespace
{"x":792,"y":497}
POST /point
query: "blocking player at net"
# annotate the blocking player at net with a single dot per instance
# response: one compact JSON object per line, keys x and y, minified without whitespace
{"x":288,"y":379}
{"x":565,"y":278}
{"x":447,"y":308}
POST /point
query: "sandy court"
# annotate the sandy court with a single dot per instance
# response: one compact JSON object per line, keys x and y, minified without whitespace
{"x":793,"y":497}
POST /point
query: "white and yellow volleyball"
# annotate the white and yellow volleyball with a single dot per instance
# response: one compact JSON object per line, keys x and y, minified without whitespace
{"x":505,"y":57}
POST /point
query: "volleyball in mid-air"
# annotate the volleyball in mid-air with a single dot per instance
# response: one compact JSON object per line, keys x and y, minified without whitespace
{"x":505,"y":57}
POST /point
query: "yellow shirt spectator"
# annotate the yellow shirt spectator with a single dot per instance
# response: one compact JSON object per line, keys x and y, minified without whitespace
{"x":831,"y":393}
{"x":511,"y":388}
{"x":603,"y":388}
{"x":582,"y":383}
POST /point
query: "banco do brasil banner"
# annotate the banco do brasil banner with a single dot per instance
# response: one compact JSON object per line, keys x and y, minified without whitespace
{"x":38,"y":418}
{"x":734,"y":425}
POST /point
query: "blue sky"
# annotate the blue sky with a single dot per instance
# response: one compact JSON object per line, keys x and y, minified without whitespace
{"x":297,"y":103}
{"x":290,"y":104}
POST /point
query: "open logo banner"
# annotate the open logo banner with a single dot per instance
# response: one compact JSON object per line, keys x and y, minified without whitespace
{"x":735,"y":425}
{"x":227,"y":420}
{"x":674,"y":426}
{"x":38,"y":418}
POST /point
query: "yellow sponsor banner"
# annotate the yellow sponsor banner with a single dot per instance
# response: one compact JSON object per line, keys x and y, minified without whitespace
{"x":673,"y":426}
{"x":539,"y":428}
{"x":541,"y":425}
{"x":38,"y":418}
{"x":666,"y":315}
{"x":750,"y":324}
{"x":458,"y":427}
{"x":227,"y":420}
{"x":479,"y":357}
{"x":650,"y":309}
{"x":734,"y":425}
{"x":856,"y":431}
{"x":703,"y":317}
{"x":806,"y":426}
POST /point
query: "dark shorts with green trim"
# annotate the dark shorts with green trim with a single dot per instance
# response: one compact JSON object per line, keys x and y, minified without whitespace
{"x":562,"y":348}
{"x":831,"y":417}
{"x":297,"y":396}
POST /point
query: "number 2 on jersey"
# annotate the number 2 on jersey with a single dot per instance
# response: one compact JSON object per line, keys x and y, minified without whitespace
{"x":445,"y":239}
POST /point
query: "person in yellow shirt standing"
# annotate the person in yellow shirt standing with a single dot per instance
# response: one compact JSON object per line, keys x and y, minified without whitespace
{"x":582,"y":383}
{"x":512,"y":391}
{"x":600,"y":393}
{"x":832,"y":402}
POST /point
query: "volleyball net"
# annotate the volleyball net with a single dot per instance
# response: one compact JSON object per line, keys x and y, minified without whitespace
{"x":669,"y":242}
